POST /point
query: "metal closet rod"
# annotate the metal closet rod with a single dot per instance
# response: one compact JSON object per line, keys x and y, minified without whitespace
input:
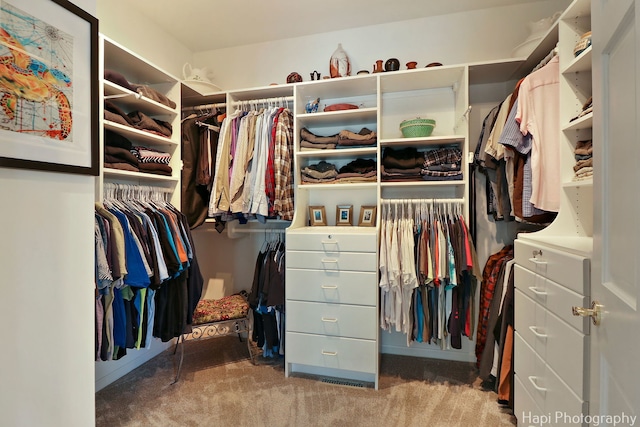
{"x":205,"y":106}
{"x":259,"y":230}
{"x":422,"y":200}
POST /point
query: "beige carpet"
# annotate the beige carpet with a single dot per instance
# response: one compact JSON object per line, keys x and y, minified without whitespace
{"x":220,"y":387}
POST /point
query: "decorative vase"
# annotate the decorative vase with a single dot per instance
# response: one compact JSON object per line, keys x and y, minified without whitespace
{"x":339,"y":65}
{"x":294,"y":78}
{"x":392,"y":64}
{"x":411,"y":65}
{"x":377,"y":67}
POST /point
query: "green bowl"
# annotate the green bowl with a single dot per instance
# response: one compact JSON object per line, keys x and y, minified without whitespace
{"x":417,"y":128}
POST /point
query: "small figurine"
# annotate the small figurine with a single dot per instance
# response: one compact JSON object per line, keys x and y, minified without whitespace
{"x":312,"y":106}
{"x":315,"y":75}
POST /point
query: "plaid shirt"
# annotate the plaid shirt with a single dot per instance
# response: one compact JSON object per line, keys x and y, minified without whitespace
{"x":442,"y":155}
{"x":283,"y":203}
{"x":269,"y":179}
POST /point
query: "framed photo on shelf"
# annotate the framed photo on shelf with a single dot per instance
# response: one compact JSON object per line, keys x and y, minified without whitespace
{"x":50,"y":108}
{"x":344,"y":213}
{"x":367,"y":216}
{"x":317,"y":215}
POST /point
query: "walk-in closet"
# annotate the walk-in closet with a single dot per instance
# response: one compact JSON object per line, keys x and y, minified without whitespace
{"x":319,"y":214}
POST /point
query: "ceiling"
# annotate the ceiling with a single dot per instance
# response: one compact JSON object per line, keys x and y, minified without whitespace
{"x":199,"y":24}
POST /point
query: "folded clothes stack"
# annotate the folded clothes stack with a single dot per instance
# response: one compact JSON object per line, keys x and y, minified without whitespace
{"x":119,"y":153}
{"x":401,"y":164}
{"x":137,"y":120}
{"x":584,"y":160}
{"x":358,"y":170}
{"x":365,"y":137}
{"x":152,"y":161}
{"x":321,"y":172}
{"x":147,"y":91}
{"x":345,"y":138}
{"x":442,"y":164}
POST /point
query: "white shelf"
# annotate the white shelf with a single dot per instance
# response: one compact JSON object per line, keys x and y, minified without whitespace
{"x":422,"y":78}
{"x":323,"y":229}
{"x":343,"y":87}
{"x":578,"y":184}
{"x":338,"y":152}
{"x":139,"y":135}
{"x":423,"y":141}
{"x":584,"y":122}
{"x":579,"y":245}
{"x":135,"y":101}
{"x":360,"y":115}
{"x":140,"y":176}
{"x":338,"y":186}
{"x":580,"y":63}
{"x":450,"y":183}
{"x":132,"y":66}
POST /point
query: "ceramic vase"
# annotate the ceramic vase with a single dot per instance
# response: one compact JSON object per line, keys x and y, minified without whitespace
{"x":339,"y":65}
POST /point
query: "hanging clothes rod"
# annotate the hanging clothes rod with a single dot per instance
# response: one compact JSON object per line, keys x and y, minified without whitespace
{"x":259,"y":230}
{"x":205,"y":106}
{"x":546,"y":59}
{"x":264,"y":100}
{"x":422,"y":201}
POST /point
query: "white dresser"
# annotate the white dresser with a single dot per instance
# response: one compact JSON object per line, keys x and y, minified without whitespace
{"x":332,"y":303}
{"x":551,"y":345}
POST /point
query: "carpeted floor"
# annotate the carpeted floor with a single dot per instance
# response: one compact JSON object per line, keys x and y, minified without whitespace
{"x":220,"y":387}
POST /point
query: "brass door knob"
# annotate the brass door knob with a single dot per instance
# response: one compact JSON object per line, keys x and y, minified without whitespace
{"x":595,"y":312}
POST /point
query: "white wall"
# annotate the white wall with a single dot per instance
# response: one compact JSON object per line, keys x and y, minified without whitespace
{"x":47,"y":309}
{"x":124,"y":25}
{"x":449,"y":39}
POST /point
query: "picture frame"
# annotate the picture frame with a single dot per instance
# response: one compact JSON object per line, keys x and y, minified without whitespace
{"x":344,"y":213}
{"x":317,"y":215}
{"x":51,"y":119}
{"x":367,"y":216}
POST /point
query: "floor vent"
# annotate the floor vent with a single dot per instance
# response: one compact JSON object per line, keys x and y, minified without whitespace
{"x":342,"y":382}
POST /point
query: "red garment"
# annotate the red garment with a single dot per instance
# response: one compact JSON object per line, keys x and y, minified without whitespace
{"x":489,"y":278}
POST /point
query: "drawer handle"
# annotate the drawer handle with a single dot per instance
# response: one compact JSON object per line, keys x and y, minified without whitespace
{"x":534,"y":329}
{"x":330,"y":319}
{"x":536,"y":291}
{"x":329,"y":242}
{"x":533,"y":379}
{"x":335,"y":261}
{"x":538,"y":261}
{"x":329,"y":353}
{"x":329,"y":287}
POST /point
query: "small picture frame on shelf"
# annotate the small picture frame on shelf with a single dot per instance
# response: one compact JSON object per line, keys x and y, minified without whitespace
{"x":367,"y":216}
{"x":317,"y":215}
{"x":344,"y":213}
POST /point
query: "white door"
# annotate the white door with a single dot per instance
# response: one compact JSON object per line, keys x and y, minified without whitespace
{"x":615,"y":343}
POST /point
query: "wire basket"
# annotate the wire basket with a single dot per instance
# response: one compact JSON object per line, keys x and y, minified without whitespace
{"x":417,"y":128}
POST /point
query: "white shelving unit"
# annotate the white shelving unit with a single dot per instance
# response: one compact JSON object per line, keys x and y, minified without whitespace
{"x":553,"y":265}
{"x":137,"y":70}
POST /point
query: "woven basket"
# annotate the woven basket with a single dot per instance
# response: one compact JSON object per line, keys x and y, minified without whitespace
{"x":417,"y":128}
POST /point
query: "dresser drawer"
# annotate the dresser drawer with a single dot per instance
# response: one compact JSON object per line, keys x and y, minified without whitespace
{"x":549,"y":392}
{"x":331,"y":352}
{"x":561,"y":346}
{"x":569,"y":270}
{"x":332,"y":242}
{"x":343,"y":287}
{"x":552,"y":296}
{"x":525,"y":408}
{"x":352,"y":321}
{"x":339,"y":261}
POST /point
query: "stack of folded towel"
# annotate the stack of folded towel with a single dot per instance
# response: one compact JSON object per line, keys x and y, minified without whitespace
{"x":584,"y":160}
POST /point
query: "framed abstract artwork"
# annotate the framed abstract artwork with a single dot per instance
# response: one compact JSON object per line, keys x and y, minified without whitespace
{"x":48,"y":87}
